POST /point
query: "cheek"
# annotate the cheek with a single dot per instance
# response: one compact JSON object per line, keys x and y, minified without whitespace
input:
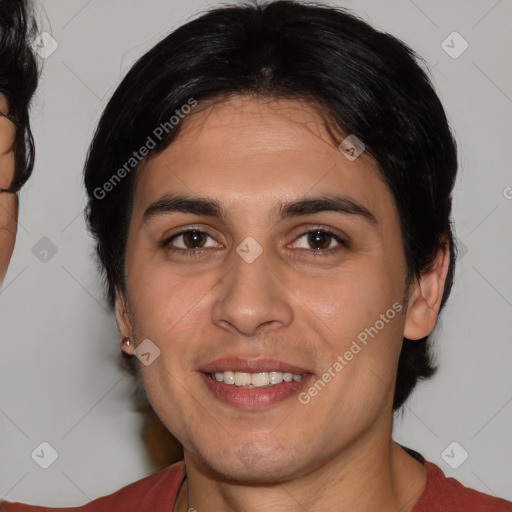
{"x":164,"y":299}
{"x":364,"y":376}
{"x":365,"y":315}
{"x":7,"y":136}
{"x":6,"y":167}
{"x":353,"y":299}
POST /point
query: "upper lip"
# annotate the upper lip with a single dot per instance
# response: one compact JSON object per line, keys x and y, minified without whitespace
{"x":251,"y":365}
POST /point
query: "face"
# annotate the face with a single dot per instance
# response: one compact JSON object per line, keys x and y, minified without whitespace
{"x":267,"y":284}
{"x":8,"y":202}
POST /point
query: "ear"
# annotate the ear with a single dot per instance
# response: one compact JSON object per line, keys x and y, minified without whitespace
{"x":425,"y":297}
{"x":123,"y":322}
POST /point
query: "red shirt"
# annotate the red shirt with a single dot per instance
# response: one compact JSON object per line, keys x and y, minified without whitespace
{"x":158,"y":492}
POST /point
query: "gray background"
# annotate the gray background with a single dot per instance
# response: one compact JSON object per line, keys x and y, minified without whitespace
{"x":59,"y":378}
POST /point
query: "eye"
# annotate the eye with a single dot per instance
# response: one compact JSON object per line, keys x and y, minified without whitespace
{"x":321,"y":241}
{"x":194,"y":242}
{"x":190,"y":241}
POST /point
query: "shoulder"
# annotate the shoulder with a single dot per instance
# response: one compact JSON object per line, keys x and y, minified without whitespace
{"x":442,"y":494}
{"x":155,"y":492}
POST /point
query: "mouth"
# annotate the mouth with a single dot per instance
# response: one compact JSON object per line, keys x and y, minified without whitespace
{"x":254,"y":380}
{"x":253,"y":384}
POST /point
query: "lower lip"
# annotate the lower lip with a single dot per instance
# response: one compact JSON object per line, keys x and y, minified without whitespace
{"x":254,"y":398}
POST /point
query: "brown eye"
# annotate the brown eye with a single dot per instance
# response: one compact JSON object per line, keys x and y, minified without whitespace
{"x":194,"y":239}
{"x":189,"y":241}
{"x":320,"y":241}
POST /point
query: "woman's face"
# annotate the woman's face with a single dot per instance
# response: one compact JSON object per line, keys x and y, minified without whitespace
{"x":8,"y":202}
{"x":255,"y":294}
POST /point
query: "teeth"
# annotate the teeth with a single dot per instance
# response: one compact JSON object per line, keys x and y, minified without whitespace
{"x":242,"y":379}
{"x":275,"y":377}
{"x":229,"y":377}
{"x":254,"y":380}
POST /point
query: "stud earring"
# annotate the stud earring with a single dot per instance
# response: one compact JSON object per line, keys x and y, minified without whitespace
{"x":125,"y":342}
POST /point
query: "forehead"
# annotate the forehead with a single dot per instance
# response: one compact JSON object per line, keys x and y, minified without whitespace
{"x":247,"y":151}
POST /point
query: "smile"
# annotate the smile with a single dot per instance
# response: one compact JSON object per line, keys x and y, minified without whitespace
{"x":254,"y":380}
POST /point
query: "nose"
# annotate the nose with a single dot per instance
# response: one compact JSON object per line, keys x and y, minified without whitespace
{"x":251,"y":296}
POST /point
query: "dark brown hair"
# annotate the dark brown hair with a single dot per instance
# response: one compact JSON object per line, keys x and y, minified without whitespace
{"x":19,"y":75}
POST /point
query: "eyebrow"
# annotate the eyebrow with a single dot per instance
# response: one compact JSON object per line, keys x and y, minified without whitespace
{"x":300,"y":207}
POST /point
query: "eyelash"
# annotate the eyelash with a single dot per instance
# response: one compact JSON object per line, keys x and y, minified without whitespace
{"x":316,"y":252}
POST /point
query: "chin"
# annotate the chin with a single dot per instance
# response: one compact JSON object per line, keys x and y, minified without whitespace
{"x":248,"y":463}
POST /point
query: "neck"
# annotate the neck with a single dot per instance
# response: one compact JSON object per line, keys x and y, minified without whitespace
{"x":369,"y":476}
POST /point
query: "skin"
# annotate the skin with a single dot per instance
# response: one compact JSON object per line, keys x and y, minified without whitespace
{"x":8,"y":202}
{"x":335,"y":453}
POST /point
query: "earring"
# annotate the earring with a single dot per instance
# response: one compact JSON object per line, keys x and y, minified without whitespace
{"x":125,"y":342}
